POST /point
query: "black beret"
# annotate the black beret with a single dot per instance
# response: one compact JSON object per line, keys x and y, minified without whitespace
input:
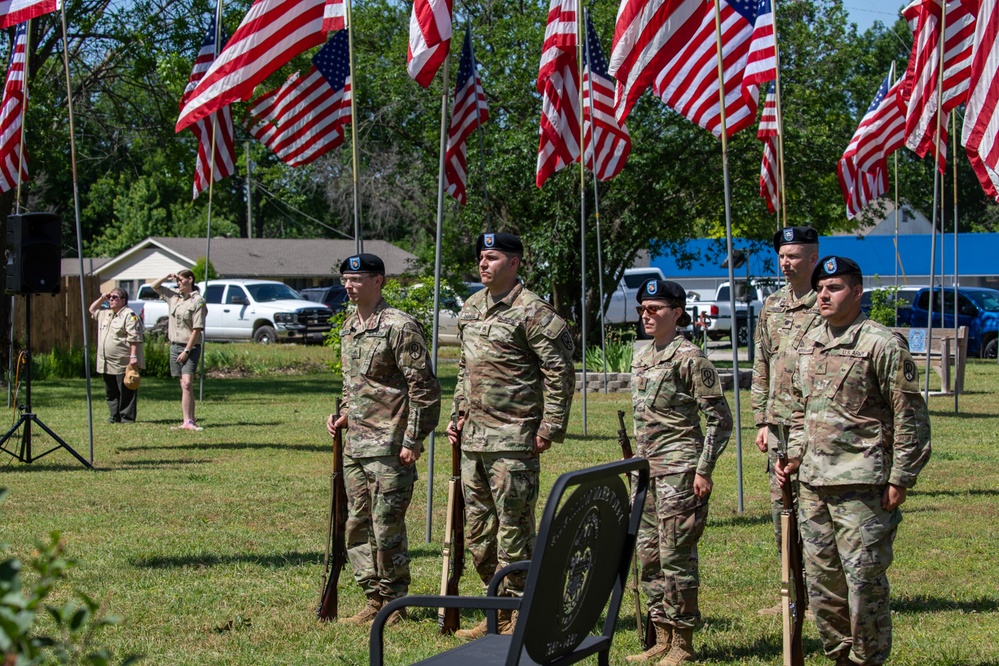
{"x":795,"y":236}
{"x":499,"y":241}
{"x":832,"y":266}
{"x":363,"y":263}
{"x":664,"y":290}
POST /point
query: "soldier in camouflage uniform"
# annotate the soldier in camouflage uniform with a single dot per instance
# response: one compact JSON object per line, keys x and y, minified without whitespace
{"x":391,"y":403}
{"x":786,"y":316}
{"x":514,"y":390}
{"x":860,"y":436}
{"x":671,"y":381}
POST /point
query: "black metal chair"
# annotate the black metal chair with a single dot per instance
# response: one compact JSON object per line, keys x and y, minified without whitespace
{"x":582,"y":559}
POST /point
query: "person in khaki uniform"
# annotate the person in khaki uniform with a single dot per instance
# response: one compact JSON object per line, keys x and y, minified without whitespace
{"x":511,"y":402}
{"x":860,"y":435}
{"x":186,"y":326}
{"x":391,"y":404}
{"x":787,"y":315}
{"x":672,"y":380}
{"x":119,"y":345}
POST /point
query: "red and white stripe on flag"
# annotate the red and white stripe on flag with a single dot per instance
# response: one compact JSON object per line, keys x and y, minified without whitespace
{"x":607,"y":142}
{"x":884,"y":133}
{"x":761,"y":63}
{"x":13,"y":12}
{"x":335,"y":15}
{"x":271,"y":34}
{"x":769,"y":133}
{"x":861,"y":186}
{"x":305,"y":118}
{"x":13,"y":160}
{"x":468,"y":112}
{"x":647,"y":35}
{"x":922,"y":75}
{"x":558,"y":83}
{"x":980,"y":135}
{"x":223,"y":163}
{"x":429,"y":39}
{"x":689,"y":83}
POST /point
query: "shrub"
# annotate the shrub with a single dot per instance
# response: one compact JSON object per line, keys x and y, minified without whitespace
{"x":883,"y":305}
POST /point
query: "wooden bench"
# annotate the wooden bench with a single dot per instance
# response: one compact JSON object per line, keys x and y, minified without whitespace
{"x":942,"y":346}
{"x":582,"y":558}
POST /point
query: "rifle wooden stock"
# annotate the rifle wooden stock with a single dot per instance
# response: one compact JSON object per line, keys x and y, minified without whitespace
{"x":336,"y":538}
{"x":792,"y":587}
{"x":646,"y":632}
{"x":454,"y":544}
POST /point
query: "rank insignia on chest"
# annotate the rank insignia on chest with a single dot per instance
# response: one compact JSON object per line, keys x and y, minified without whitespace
{"x":641,"y":383}
{"x":819,"y":367}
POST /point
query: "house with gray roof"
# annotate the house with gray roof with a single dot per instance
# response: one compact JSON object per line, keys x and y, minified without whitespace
{"x":298,"y":262}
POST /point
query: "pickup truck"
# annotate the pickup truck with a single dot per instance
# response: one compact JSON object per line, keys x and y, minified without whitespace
{"x":621,"y":309}
{"x":977,"y":308}
{"x":719,"y":311}
{"x":259,"y":310}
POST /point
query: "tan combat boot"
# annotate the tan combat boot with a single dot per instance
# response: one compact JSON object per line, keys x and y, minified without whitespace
{"x":366,"y":615}
{"x":396,"y":617}
{"x":475,"y":633}
{"x":664,"y":638}
{"x":682,"y":651}
{"x":506,"y":621}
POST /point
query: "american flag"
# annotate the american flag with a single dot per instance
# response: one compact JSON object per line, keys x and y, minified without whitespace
{"x":558,"y":83}
{"x":271,"y":34}
{"x":225,"y":151}
{"x":11,"y":130}
{"x":922,"y":76}
{"x":13,"y":12}
{"x":605,"y":137}
{"x":647,"y":36}
{"x":885,"y":133}
{"x":334,"y":15}
{"x":863,"y":186}
{"x":980,"y":136}
{"x":468,"y":112}
{"x":769,"y":134}
{"x":689,"y":83}
{"x":761,"y":64}
{"x":305,"y":117}
{"x":429,"y":39}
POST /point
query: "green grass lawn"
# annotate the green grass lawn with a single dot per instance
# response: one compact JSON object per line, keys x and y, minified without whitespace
{"x":209,"y":544}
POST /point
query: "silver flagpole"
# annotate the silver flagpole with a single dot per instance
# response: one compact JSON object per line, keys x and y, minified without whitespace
{"x":481,"y":132}
{"x":782,"y":215}
{"x":211,"y":189}
{"x":79,"y":226}
{"x":957,"y":343}
{"x":437,"y":285}
{"x":596,"y":216}
{"x":937,"y":187}
{"x":580,"y":36}
{"x":731,"y":269}
{"x":358,"y":241}
{"x":17,"y":201}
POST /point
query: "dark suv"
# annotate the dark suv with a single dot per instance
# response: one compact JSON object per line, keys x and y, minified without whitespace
{"x":335,"y":296}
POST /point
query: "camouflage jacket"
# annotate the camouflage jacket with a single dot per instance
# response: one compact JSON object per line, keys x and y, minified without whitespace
{"x":861,"y":418}
{"x":515,"y":376}
{"x":668,"y":388}
{"x":391,"y":396}
{"x":782,"y":324}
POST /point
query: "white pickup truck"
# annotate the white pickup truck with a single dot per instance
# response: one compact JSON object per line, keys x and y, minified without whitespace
{"x":244,"y":309}
{"x":719,"y":311}
{"x":621,"y":309}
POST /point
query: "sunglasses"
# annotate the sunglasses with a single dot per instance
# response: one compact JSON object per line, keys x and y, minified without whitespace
{"x":652,"y":309}
{"x":114,"y":298}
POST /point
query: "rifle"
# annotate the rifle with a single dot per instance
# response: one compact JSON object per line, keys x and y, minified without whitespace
{"x":454,"y":543}
{"x":792,"y":580}
{"x":646,"y":632}
{"x":336,"y":538}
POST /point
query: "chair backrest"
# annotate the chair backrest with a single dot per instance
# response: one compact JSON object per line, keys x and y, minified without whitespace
{"x":582,"y":558}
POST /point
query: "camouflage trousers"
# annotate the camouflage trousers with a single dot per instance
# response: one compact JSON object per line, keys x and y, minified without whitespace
{"x":847,"y":543}
{"x":379,"y":491}
{"x":501,"y":494}
{"x":672,"y":523}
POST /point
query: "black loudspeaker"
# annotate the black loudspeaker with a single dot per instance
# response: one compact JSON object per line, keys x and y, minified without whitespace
{"x":34,"y":259}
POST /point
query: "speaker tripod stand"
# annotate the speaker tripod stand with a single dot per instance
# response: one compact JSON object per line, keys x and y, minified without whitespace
{"x":28,"y":417}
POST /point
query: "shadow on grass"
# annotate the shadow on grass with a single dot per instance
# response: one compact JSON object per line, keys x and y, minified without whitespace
{"x":745,"y":520}
{"x":229,"y":446}
{"x":974,"y":492}
{"x":291,"y":559}
{"x":925,"y":604}
{"x":769,"y":647}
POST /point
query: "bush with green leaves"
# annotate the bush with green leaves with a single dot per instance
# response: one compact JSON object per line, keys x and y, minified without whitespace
{"x":76,"y":623}
{"x":883,"y":305}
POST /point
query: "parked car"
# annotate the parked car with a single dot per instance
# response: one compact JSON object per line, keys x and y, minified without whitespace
{"x":152,"y":309}
{"x":263,"y":311}
{"x":977,"y":308}
{"x":719,"y":310}
{"x":333,"y":296}
{"x":903,"y":298}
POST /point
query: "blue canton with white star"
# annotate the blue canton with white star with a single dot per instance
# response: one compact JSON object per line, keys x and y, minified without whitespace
{"x":333,"y":60}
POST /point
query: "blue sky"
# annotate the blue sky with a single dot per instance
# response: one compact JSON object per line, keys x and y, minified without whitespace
{"x":865,"y":12}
